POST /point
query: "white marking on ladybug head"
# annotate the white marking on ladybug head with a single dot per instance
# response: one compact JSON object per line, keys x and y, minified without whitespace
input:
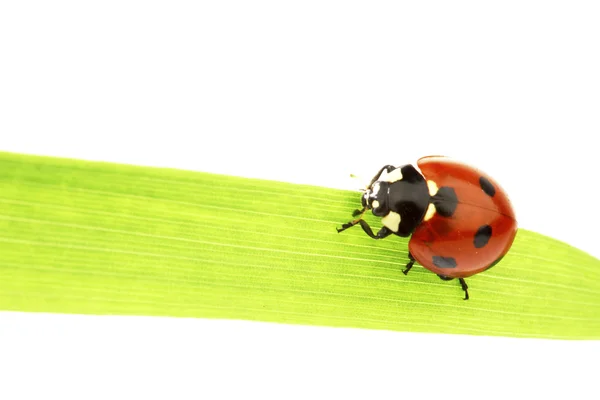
{"x":433,"y":188}
{"x":391,"y":221}
{"x":375,"y":204}
{"x":395,"y":175}
{"x":430,"y":212}
{"x":371,"y":194}
{"x":365,"y":198}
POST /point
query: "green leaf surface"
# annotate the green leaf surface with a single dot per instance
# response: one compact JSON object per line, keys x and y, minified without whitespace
{"x":100,"y":238}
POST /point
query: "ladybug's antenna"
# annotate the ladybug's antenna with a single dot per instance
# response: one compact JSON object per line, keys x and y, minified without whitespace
{"x":361,"y":181}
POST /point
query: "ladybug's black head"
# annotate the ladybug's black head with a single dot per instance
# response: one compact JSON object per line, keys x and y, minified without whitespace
{"x":376,"y":199}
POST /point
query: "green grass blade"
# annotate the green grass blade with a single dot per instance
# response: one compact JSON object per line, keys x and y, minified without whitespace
{"x":99,"y":238}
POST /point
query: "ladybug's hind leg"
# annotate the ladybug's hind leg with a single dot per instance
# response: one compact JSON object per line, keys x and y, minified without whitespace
{"x":463,"y":284}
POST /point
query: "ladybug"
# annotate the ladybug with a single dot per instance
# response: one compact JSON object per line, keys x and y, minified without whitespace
{"x":460,"y":221}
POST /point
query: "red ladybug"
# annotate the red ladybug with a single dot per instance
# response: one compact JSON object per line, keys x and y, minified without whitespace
{"x":460,"y":220}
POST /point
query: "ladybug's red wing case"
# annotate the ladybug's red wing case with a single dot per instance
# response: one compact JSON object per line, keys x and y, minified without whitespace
{"x":474,"y":224}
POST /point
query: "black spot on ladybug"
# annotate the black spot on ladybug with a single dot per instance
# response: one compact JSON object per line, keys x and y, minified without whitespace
{"x":445,"y":201}
{"x":482,"y":236}
{"x":444,"y":262}
{"x":494,"y":263}
{"x":487,"y":186}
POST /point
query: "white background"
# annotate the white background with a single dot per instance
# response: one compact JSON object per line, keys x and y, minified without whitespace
{"x":305,"y":92}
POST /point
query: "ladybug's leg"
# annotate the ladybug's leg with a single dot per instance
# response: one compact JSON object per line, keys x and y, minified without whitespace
{"x":464,"y":286}
{"x":381,"y":234}
{"x":410,"y":263}
{"x":350,"y":224}
{"x":386,"y":168}
{"x":357,"y":212}
{"x":462,"y":282}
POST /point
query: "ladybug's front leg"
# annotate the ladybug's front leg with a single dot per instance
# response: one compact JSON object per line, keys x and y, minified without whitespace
{"x":381,"y":234}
